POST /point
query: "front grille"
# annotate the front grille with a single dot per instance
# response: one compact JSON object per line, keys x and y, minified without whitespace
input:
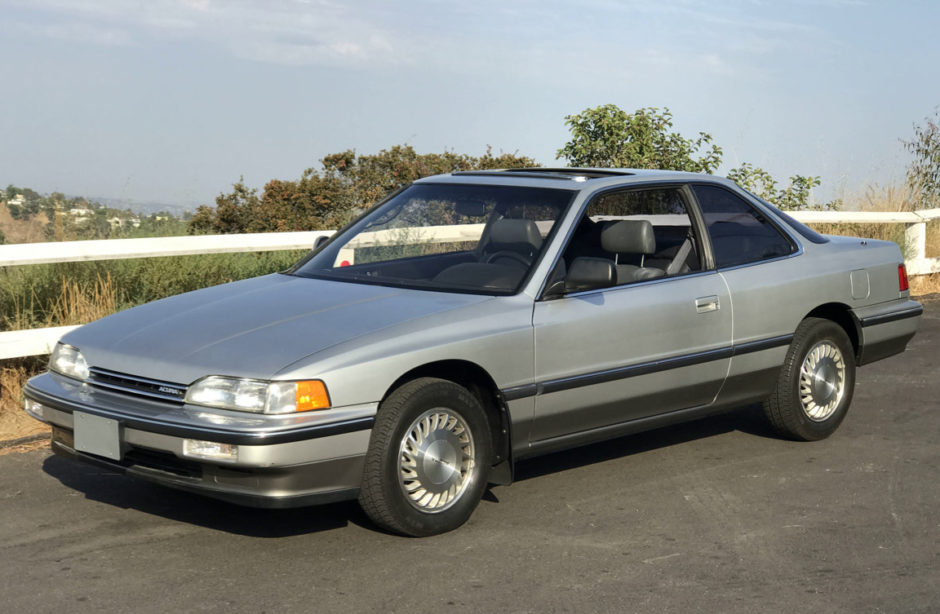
{"x":136,"y":386}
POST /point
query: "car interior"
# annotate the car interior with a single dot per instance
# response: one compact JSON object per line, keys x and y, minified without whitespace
{"x":624,"y":233}
{"x":506,"y":251}
{"x":644,"y":234}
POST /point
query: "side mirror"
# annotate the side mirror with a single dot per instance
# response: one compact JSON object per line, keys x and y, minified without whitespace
{"x":319,"y":241}
{"x":590,"y":274}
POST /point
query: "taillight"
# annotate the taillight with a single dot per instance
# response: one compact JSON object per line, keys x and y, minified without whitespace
{"x":902,"y":278}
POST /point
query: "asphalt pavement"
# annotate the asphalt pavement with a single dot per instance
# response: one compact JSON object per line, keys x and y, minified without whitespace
{"x":714,"y":516}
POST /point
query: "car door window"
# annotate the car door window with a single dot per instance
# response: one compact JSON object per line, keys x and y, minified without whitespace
{"x":647,"y":233}
{"x":739,"y":233}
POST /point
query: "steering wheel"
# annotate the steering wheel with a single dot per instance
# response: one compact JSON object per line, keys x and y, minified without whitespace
{"x":508,"y":254}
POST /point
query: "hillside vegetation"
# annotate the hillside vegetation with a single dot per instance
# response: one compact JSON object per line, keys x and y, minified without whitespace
{"x":29,"y":230}
{"x":29,"y":217}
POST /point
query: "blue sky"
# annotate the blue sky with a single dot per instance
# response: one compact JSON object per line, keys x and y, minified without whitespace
{"x":173,"y":100}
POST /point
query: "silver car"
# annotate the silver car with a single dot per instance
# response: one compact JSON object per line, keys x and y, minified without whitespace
{"x":472,"y":320}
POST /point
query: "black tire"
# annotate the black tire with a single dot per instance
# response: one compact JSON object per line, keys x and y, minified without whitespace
{"x":384,"y":494}
{"x":809,"y":407}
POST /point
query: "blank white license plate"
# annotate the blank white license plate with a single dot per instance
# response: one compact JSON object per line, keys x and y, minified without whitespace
{"x":97,"y":435}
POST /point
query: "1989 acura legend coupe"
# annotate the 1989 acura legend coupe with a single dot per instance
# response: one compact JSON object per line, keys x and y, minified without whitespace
{"x":471,"y":320}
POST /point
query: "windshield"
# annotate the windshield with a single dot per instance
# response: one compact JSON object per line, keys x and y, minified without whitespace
{"x":467,"y":238}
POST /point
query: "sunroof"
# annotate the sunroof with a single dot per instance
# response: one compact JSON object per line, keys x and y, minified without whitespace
{"x":593,"y":173}
{"x":574,"y":174}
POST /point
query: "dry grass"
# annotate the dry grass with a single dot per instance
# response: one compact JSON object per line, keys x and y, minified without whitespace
{"x":878,"y":198}
{"x":74,"y":303}
{"x":14,"y":422}
{"x":885,"y":232}
{"x":933,"y":239}
{"x":925,"y":284}
{"x":79,"y":305}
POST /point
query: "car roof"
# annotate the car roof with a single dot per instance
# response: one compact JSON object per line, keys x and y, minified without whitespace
{"x":565,"y":178}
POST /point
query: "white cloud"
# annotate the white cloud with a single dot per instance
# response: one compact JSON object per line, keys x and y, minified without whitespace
{"x":282,"y":31}
{"x":713,"y":63}
{"x":81,"y":33}
{"x":544,"y":36}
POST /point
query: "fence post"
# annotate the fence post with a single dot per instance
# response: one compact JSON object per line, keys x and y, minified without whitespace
{"x":915,"y":238}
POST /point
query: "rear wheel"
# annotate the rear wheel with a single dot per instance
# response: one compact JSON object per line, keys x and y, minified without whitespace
{"x":428,"y":458}
{"x":814,"y":389}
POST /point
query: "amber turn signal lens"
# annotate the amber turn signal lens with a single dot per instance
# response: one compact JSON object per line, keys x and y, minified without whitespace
{"x":312,"y":395}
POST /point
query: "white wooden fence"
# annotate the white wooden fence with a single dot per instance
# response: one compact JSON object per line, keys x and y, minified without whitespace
{"x":915,"y":231}
{"x":15,"y":344}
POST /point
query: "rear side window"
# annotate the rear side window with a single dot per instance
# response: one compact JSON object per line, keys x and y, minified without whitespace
{"x":805,"y":231}
{"x":740,"y":234}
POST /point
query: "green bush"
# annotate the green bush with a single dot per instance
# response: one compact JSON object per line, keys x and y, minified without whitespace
{"x":29,"y":294}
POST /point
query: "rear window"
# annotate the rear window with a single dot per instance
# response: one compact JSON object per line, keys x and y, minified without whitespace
{"x":740,"y":234}
{"x":802,"y":229}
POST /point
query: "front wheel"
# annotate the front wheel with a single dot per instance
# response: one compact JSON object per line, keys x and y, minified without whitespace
{"x":814,"y":389}
{"x":428,"y":458}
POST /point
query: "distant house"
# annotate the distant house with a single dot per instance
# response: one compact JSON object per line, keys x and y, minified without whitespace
{"x":120,"y":222}
{"x":81,"y":212}
{"x":19,"y":200}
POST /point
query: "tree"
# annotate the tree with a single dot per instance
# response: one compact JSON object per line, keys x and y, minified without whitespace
{"x":346,"y":184}
{"x":94,"y":227}
{"x":923,"y":174}
{"x":608,"y":136}
{"x":755,"y":180}
{"x":55,"y":231}
{"x":797,"y":195}
{"x":232,"y":212}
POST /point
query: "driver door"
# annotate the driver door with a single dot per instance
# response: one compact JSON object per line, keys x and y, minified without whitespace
{"x":657,"y":342}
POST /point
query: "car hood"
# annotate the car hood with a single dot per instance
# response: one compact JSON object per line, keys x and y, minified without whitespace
{"x":251,"y":328}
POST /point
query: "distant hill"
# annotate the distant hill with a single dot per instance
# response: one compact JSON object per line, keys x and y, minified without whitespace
{"x":144,"y":208}
{"x":27,"y":216}
{"x":22,"y":231}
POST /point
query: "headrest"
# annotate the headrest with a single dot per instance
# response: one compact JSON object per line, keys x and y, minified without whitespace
{"x":507,"y":232}
{"x":628,"y":237}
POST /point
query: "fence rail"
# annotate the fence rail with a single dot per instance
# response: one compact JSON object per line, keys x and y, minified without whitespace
{"x":21,"y":343}
{"x":118,"y":249}
{"x":915,"y":230}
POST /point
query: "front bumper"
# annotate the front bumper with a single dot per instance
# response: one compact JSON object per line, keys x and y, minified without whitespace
{"x":275,"y":461}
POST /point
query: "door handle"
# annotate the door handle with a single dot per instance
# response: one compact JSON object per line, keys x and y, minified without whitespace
{"x":705,"y":304}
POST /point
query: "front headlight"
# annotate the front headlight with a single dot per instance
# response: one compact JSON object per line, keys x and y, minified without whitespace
{"x":258,"y":396}
{"x":68,"y":361}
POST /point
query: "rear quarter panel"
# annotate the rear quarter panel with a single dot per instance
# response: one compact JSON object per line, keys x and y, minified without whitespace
{"x":770,"y":299}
